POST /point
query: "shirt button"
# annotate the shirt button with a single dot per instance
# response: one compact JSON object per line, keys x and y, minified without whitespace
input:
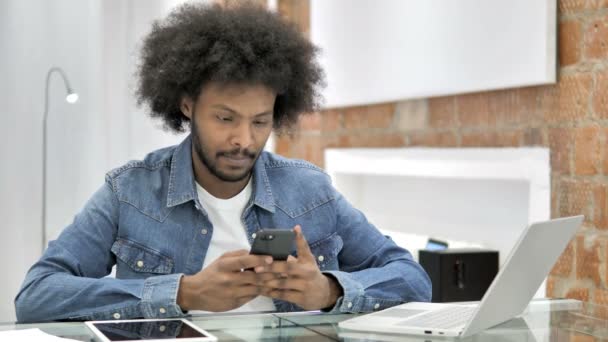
{"x":162,"y":328}
{"x":376,"y":306}
{"x":162,"y":310}
{"x":116,"y":315}
{"x":204,"y":231}
{"x":253,"y":235}
{"x":140,"y":263}
{"x":349,"y":305}
{"x":321,"y":258}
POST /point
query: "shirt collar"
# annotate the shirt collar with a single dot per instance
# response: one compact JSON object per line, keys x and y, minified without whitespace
{"x":182,"y":186}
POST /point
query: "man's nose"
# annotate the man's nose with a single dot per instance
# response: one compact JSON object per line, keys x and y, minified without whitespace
{"x":242,"y":136}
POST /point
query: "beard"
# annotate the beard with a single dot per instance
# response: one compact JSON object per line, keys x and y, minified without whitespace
{"x":210,"y":161}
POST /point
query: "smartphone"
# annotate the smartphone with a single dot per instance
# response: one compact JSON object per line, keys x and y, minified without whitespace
{"x":277,"y":243}
{"x":148,"y":329}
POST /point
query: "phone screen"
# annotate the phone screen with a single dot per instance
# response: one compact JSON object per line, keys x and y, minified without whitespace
{"x":147,"y":330}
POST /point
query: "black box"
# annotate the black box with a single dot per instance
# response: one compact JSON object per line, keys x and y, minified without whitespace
{"x":459,"y":274}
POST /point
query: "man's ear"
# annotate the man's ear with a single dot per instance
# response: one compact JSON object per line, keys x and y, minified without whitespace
{"x":187,"y":106}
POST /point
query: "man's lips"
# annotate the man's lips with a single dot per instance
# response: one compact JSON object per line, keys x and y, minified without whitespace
{"x":237,"y":160}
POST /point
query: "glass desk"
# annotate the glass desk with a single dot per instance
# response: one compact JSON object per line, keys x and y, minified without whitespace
{"x":543,"y":320}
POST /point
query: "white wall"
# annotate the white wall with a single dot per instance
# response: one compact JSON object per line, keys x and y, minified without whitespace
{"x":94,"y":41}
{"x":481,"y":196}
{"x":381,"y":51}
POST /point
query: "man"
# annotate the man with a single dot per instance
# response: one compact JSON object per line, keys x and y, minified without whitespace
{"x":178,"y":225}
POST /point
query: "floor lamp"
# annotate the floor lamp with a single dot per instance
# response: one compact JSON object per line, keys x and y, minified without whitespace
{"x":71,"y":97}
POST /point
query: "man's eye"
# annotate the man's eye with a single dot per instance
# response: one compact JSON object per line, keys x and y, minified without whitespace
{"x":224,"y":118}
{"x":260,"y":123}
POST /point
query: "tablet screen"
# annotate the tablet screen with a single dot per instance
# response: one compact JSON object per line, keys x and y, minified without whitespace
{"x":147,"y":330}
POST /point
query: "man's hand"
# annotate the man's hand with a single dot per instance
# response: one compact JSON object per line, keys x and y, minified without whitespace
{"x":223,"y":285}
{"x":299,"y":280}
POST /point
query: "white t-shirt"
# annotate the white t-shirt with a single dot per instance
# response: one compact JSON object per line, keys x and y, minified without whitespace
{"x":229,"y":234}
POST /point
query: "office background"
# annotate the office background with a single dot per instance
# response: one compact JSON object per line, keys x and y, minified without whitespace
{"x":94,"y":41}
{"x":105,"y":128}
{"x":569,"y":118}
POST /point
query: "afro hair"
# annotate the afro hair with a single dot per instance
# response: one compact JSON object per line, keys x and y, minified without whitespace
{"x":199,"y":43}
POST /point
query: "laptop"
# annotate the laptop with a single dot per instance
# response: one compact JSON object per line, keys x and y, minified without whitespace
{"x":533,"y":256}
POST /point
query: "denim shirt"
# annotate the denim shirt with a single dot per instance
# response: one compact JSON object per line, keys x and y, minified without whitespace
{"x":147,"y":220}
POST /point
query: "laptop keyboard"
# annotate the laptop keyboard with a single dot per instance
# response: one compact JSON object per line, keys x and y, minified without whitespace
{"x":445,"y":318}
{"x":398,"y":312}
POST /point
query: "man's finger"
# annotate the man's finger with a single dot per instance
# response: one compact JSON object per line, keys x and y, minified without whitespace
{"x":291,"y":296}
{"x":304,"y":252}
{"x":279,"y":267}
{"x":238,"y":252}
{"x":243,"y":262}
{"x":249,"y":277}
{"x":286,"y":284}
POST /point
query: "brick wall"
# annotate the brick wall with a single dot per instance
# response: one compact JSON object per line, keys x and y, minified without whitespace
{"x":571,"y":118}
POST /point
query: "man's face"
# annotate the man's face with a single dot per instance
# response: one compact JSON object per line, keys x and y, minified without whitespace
{"x":230,"y":125}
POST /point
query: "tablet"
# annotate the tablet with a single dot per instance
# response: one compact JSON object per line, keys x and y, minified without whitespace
{"x":148,"y":330}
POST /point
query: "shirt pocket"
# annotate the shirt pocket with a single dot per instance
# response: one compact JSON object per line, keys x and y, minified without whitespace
{"x":326,"y":252}
{"x":137,"y":261}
